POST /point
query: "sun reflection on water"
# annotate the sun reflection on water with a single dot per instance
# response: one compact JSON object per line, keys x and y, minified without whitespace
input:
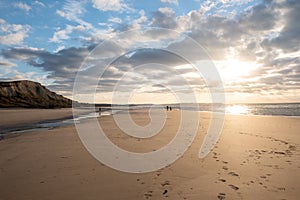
{"x":237,"y":109}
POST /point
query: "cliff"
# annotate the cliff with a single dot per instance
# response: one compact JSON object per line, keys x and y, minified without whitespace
{"x":30,"y":94}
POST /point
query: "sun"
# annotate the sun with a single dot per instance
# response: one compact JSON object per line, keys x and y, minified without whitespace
{"x":235,"y":70}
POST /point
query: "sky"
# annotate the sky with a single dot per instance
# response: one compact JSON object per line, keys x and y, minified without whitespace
{"x":156,"y":51}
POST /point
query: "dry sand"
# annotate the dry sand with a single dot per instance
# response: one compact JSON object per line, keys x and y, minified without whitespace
{"x":257,"y":157}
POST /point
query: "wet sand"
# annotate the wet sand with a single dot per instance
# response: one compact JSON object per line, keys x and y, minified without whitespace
{"x":257,"y":157}
{"x":14,"y":118}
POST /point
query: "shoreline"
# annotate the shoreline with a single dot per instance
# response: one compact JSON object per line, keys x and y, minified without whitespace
{"x":40,"y":124}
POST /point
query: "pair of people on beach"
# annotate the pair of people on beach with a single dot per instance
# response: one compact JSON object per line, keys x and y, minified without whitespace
{"x":169,"y":108}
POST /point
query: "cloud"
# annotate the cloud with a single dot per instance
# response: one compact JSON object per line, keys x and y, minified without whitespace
{"x":22,"y":6}
{"x":13,"y":38}
{"x":136,"y":23}
{"x":115,"y":20}
{"x":164,"y":18}
{"x":170,"y":1}
{"x":289,"y":37}
{"x":59,"y":48}
{"x":6,"y":63}
{"x":134,"y":70}
{"x":63,"y":34}
{"x":144,"y":56}
{"x":13,"y":34}
{"x":39,"y":3}
{"x":255,"y":35}
{"x":73,"y":10}
{"x":61,"y":13}
{"x":61,"y":64}
{"x":260,"y":18}
{"x":142,"y":18}
{"x":6,"y":69}
{"x":110,"y":5}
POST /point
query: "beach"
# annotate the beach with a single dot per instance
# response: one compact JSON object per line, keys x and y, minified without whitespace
{"x":256,"y":157}
{"x":15,"y":118}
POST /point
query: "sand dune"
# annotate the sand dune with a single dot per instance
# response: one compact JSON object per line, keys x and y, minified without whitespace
{"x":257,"y":157}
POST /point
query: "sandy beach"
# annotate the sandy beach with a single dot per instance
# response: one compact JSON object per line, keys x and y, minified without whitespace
{"x":257,"y":157}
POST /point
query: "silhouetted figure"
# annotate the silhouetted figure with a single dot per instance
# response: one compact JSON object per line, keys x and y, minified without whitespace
{"x":167,"y":108}
{"x":170,"y":108}
{"x":99,"y":110}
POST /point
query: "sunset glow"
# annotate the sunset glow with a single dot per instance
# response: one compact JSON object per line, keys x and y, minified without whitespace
{"x":235,"y":70}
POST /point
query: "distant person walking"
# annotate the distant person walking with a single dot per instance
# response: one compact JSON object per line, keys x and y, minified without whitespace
{"x":170,"y":108}
{"x":167,"y":108}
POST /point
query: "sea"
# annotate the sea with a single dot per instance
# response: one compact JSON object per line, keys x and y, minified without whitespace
{"x":271,"y":109}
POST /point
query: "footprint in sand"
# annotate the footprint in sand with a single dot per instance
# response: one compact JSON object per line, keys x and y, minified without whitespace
{"x":165,"y":183}
{"x":233,"y":174}
{"x":222,"y":180}
{"x":279,"y":153}
{"x":225,"y":168}
{"x":221,"y":196}
{"x":165,"y":193}
{"x":148,"y":194}
{"x":234,"y":187}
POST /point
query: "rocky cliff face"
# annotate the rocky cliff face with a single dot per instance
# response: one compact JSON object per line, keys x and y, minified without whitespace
{"x":30,"y":95}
